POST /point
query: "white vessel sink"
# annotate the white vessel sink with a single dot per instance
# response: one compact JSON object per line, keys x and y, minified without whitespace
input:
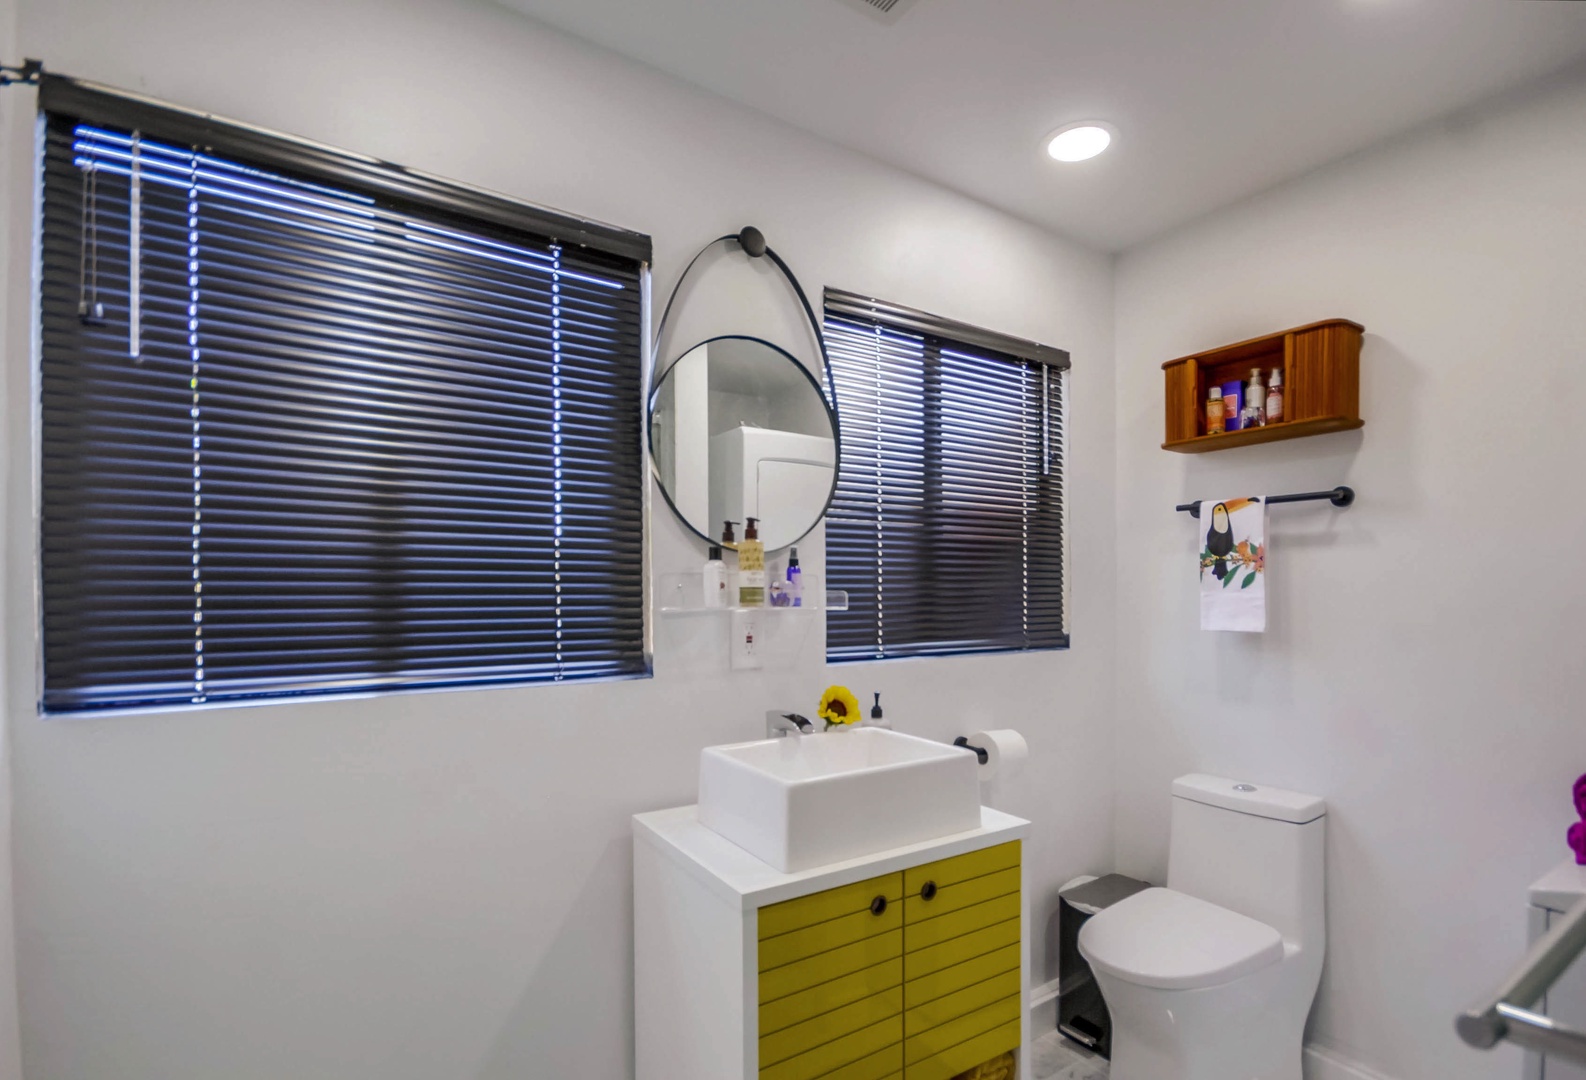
{"x":808,"y":800}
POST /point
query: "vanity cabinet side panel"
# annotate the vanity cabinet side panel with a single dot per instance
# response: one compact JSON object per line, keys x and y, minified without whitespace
{"x":692,"y":976}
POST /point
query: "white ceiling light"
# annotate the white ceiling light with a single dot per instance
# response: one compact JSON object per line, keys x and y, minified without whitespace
{"x":1079,"y":142}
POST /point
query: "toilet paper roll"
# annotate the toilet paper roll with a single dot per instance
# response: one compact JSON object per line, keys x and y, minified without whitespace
{"x":1006,"y":752}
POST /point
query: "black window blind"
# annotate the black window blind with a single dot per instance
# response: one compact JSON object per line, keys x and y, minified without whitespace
{"x":304,"y":437}
{"x":947,"y":526}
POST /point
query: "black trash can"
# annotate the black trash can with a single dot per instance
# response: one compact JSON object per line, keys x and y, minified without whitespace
{"x":1081,"y":1013}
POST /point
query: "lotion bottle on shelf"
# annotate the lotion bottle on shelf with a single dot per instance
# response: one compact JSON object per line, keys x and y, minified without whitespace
{"x":751,"y":566}
{"x":715,"y":579}
{"x":1256,"y":400}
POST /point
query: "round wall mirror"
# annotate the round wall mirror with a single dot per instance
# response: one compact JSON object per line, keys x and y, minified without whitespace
{"x":739,"y":429}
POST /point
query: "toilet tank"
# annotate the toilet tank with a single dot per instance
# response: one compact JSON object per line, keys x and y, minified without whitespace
{"x":1252,"y":849}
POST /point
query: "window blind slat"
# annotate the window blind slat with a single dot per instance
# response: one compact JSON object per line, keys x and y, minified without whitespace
{"x":363,"y":446}
{"x":946,"y":527}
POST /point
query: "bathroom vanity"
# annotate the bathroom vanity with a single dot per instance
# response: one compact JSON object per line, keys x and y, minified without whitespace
{"x":905,"y":964}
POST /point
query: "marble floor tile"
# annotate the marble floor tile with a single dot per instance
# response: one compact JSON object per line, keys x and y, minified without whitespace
{"x":1053,"y":1057}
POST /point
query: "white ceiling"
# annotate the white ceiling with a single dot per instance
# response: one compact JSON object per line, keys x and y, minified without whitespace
{"x":1212,"y":99}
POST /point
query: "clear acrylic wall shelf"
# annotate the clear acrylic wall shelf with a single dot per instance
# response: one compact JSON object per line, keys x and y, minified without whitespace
{"x":684,"y":594}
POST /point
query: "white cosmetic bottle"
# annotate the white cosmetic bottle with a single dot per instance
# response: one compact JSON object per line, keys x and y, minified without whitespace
{"x":715,"y":579}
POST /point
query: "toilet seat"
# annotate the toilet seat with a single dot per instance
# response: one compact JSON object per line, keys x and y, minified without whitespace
{"x":1170,"y":940}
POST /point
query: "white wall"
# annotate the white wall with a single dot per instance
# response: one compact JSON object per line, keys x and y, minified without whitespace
{"x":1422,"y":669}
{"x":438,"y":885}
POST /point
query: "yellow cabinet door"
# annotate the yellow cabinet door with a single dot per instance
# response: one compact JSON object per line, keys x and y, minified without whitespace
{"x":908,"y":976}
{"x":831,"y":984}
{"x":962,"y":988}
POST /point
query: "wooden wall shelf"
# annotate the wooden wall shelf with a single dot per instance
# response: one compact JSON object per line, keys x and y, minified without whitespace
{"x":1321,"y":380}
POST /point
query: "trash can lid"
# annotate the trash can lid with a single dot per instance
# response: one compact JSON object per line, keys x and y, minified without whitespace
{"x":1103,"y":892}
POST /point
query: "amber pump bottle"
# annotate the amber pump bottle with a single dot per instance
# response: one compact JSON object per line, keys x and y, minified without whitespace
{"x":751,"y":566}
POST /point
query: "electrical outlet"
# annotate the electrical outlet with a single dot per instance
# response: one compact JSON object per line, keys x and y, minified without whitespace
{"x":747,"y":640}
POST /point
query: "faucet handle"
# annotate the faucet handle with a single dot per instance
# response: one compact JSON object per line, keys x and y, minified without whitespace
{"x":779,"y":724}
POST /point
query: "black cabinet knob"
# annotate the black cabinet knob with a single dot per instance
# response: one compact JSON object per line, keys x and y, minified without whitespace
{"x":878,"y":906}
{"x":928,"y":891}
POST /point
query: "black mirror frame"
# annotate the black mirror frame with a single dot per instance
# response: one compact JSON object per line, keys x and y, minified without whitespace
{"x":831,"y":413}
{"x":751,"y":241}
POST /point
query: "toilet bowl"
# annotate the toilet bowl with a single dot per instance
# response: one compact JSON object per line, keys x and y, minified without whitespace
{"x":1211,"y":978}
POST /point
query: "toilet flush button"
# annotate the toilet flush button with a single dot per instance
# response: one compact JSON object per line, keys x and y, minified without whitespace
{"x":1244,"y":787}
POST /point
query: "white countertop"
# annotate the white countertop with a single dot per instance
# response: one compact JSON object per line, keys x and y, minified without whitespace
{"x":746,"y":882}
{"x":1561,"y":888}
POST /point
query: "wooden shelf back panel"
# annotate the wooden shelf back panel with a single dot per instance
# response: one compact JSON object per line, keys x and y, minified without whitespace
{"x":1321,"y":376}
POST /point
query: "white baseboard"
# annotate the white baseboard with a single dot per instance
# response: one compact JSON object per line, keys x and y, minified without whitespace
{"x":1325,"y":1063}
{"x":1043,"y":1009}
{"x":1043,"y":994}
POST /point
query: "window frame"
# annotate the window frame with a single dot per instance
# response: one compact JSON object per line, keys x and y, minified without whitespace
{"x":437,"y":199}
{"x":937,"y":335}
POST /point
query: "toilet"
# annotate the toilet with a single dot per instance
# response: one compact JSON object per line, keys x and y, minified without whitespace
{"x":1211,"y":978}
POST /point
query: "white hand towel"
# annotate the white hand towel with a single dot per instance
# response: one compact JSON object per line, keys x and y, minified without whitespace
{"x":1233,"y":565}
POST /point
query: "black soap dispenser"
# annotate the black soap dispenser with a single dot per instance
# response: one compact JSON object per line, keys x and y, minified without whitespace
{"x":877,"y":718}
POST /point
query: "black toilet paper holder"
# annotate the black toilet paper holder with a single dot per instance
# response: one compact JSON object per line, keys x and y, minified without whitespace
{"x":963,"y":740}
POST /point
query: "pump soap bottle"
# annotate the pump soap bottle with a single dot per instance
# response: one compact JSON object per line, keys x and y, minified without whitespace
{"x":730,"y":543}
{"x":751,"y":566}
{"x":1255,"y":400}
{"x":877,"y":717}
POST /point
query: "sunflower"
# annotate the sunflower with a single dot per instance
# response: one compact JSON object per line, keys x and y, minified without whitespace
{"x":838,"y":706}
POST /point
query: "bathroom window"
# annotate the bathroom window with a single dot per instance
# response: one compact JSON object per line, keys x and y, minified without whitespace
{"x":315,"y":424}
{"x":947,"y":525}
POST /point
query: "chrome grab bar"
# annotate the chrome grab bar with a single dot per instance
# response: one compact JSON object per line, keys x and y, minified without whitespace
{"x":1507,"y":1014}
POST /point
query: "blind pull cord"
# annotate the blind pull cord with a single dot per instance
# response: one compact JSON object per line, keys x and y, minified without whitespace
{"x":89,"y":309}
{"x":1046,"y":424}
{"x":135,"y":254}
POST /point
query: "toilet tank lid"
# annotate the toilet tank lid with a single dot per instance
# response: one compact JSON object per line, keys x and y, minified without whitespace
{"x":1248,"y":798}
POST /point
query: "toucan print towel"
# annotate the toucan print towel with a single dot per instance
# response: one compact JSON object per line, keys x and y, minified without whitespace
{"x":1233,"y":565}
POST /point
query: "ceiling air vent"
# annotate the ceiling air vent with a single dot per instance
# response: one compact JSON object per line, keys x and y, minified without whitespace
{"x":890,"y":9}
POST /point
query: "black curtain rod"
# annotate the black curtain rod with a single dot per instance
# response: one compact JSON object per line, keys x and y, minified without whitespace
{"x":1339,"y":496}
{"x":26,"y":75}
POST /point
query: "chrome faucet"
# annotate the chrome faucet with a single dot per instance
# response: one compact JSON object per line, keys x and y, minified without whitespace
{"x":779,"y":724}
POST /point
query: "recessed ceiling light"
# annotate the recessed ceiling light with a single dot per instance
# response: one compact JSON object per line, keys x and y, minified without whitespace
{"x":1078,"y":142}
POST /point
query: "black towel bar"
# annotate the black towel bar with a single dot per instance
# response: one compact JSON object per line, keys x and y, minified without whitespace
{"x":1339,"y":496}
